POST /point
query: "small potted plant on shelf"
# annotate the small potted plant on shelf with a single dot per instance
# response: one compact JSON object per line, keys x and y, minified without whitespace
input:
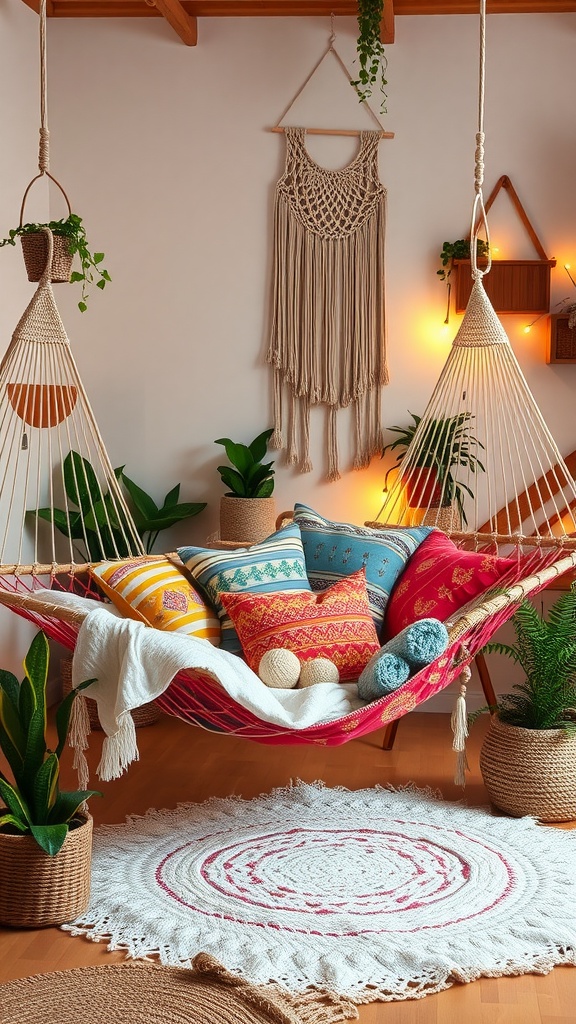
{"x":528,"y":757}
{"x":444,"y":444}
{"x":459,"y":250}
{"x":69,"y":236}
{"x":45,"y":836}
{"x":247,"y":510}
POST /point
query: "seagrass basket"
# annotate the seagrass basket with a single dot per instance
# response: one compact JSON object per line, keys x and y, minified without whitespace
{"x":247,"y":519}
{"x":37,"y":890}
{"x":35,"y":251}
{"x":148,"y":714}
{"x":530,"y":771}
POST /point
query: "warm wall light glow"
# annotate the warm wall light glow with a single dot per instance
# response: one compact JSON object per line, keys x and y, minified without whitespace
{"x":528,"y":328}
{"x":567,"y":268}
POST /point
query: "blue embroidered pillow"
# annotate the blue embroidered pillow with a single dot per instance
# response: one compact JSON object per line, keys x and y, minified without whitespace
{"x":333,"y":550}
{"x":276,"y":563}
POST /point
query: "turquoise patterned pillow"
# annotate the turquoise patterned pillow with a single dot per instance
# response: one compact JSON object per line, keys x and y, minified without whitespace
{"x":276,"y":563}
{"x":334,"y":550}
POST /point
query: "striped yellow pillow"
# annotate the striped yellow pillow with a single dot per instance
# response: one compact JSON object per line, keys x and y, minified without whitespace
{"x":152,"y":590}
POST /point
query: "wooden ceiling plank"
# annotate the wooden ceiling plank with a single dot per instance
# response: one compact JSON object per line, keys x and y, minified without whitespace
{"x":184,"y":24}
{"x":387,"y":32}
{"x":294,"y":8}
{"x":35,"y":6}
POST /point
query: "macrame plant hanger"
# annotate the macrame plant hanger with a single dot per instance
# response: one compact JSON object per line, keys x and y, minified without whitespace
{"x":61,"y":506}
{"x":327,"y":337}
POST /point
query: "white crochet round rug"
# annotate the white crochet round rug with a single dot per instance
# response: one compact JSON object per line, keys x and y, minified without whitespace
{"x":372,"y":894}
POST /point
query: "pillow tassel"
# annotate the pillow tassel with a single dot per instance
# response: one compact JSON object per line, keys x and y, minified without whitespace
{"x":459,"y":723}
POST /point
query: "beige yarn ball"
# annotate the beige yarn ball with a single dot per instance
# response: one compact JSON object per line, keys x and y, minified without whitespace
{"x":279,"y":668}
{"x":318,"y":670}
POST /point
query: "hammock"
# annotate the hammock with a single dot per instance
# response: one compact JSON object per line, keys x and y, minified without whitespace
{"x":45,"y":419}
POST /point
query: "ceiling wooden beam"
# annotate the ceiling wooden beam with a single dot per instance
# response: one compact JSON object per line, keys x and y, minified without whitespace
{"x":184,"y":24}
{"x":293,"y":8}
{"x":387,"y":26}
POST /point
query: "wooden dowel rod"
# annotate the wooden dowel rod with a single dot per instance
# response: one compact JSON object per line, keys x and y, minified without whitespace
{"x":333,"y":131}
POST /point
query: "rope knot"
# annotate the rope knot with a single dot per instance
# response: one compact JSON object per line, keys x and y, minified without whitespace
{"x":44,"y":150}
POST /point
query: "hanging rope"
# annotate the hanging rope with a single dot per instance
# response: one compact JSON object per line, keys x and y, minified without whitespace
{"x":479,"y":217}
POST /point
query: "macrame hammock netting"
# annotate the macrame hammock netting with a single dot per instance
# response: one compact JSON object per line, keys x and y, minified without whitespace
{"x":502,"y":455}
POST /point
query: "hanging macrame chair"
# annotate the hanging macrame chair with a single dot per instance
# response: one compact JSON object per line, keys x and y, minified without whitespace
{"x":45,"y":415}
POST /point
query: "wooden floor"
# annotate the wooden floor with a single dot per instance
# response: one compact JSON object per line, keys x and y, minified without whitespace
{"x":182,"y":763}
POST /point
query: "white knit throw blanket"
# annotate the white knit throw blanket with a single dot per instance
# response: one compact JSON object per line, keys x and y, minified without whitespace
{"x":133,"y":664}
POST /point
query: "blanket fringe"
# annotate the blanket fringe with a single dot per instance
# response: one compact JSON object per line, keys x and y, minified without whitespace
{"x":78,"y":738}
{"x":119,"y":751}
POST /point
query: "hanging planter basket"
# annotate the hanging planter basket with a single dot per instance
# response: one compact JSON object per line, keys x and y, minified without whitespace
{"x":35,"y":245}
{"x":35,"y":252}
{"x":530,"y":771}
{"x":37,"y":890}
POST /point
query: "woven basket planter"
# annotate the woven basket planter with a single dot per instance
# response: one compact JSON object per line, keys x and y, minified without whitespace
{"x":148,"y":714}
{"x":35,"y":250}
{"x":247,"y":519}
{"x":37,"y":890}
{"x":530,"y":771}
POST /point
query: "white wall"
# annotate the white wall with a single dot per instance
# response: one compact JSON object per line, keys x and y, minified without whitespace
{"x":164,"y":152}
{"x":19,"y":120}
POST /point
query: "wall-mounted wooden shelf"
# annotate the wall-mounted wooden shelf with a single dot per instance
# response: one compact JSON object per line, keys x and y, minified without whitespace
{"x":182,"y":14}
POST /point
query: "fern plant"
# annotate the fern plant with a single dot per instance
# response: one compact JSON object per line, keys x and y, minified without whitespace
{"x":545,"y":649}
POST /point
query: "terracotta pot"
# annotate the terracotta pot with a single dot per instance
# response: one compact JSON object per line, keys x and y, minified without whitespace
{"x":530,"y":771}
{"x":35,"y":252}
{"x":37,"y":890}
{"x":42,"y":405}
{"x":422,"y":488}
{"x":247,"y":519}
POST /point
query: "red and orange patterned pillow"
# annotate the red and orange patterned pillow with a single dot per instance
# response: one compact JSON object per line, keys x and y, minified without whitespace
{"x":439,"y":579}
{"x":335,"y":623}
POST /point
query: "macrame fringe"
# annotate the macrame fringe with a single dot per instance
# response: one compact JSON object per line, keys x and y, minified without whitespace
{"x":459,"y":723}
{"x":327,"y":341}
{"x":119,"y":751}
{"x":78,"y":738}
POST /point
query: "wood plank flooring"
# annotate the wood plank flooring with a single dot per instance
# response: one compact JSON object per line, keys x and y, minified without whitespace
{"x":182,"y":763}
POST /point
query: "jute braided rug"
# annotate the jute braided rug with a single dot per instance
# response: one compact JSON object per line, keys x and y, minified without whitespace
{"x":371,"y":894}
{"x":141,"y":993}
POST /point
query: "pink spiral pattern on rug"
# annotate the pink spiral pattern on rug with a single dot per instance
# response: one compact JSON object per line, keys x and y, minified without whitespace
{"x":391,"y":879}
{"x":372,"y":894}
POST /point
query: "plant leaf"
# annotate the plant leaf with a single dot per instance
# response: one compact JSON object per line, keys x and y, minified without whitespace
{"x":81,"y":483}
{"x":259,"y":445}
{"x":172,"y":496}
{"x":50,"y":838}
{"x":265,"y":489}
{"x":238,"y":454}
{"x":166,"y":517}
{"x":10,"y":685}
{"x":11,"y":819}
{"x":145,"y":506}
{"x":45,"y":788}
{"x":12,"y":725}
{"x":14,"y":801}
{"x":68,"y":803}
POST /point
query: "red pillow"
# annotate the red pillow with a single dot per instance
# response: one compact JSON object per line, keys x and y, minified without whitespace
{"x":438,"y":580}
{"x":335,"y":623}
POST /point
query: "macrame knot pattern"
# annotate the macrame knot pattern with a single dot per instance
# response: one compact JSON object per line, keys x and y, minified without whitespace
{"x":327,"y":337}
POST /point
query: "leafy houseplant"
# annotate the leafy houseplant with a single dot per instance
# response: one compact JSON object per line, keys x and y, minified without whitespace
{"x":371,"y":56}
{"x":34,"y":803}
{"x":247,"y":510}
{"x":444,"y":445}
{"x":528,"y":758}
{"x":73,"y":231}
{"x":459,"y":250}
{"x":97,"y":521}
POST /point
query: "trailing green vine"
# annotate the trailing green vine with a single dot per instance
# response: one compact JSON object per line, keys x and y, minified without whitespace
{"x":371,"y":56}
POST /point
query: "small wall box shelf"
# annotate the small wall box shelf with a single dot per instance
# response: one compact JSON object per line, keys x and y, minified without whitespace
{"x":561,"y":343}
{"x":513,"y":286}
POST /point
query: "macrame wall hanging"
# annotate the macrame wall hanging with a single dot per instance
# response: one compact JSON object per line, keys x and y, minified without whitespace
{"x":327,"y":344}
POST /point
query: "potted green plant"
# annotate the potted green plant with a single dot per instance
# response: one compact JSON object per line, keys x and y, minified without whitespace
{"x":247,"y":510}
{"x":45,"y":835}
{"x":96,"y":523}
{"x":69,"y":235}
{"x":528,"y":757}
{"x":372,"y":59}
{"x":443,"y":445}
{"x":458,"y":250}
